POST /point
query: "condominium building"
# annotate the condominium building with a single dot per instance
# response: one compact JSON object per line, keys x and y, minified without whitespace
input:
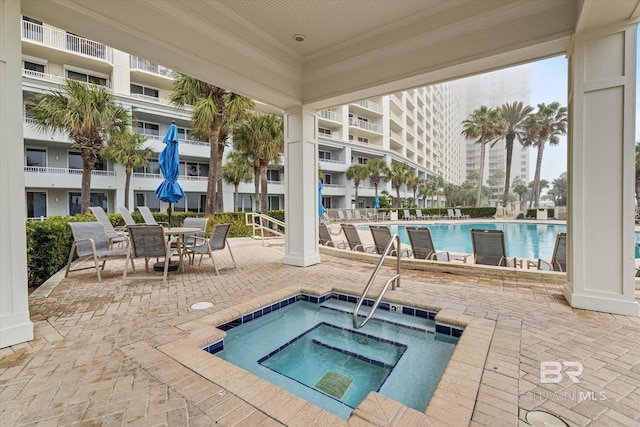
{"x":493,"y":90}
{"x":420,"y":127}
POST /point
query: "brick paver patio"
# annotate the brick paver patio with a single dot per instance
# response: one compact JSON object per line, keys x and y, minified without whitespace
{"x":110,"y":354}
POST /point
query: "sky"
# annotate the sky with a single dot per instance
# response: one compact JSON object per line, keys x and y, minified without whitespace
{"x":549,"y":84}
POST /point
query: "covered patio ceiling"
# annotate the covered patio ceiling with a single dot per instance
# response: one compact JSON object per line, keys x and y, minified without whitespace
{"x":351,"y":49}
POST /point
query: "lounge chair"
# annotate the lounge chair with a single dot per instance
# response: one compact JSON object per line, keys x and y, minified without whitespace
{"x":126,"y":216}
{"x":489,"y":248}
{"x":341,"y":216}
{"x":148,"y":216}
{"x":90,"y":240}
{"x":324,"y":219}
{"x":558,"y":260}
{"x":423,"y":248}
{"x":353,"y":238}
{"x":148,"y":241}
{"x":381,"y":236}
{"x":357,"y":215}
{"x":460,"y":215}
{"x":349,"y":215}
{"x":217,"y":242}
{"x":113,"y":234}
{"x":407,"y":215}
{"x":419,"y":214}
{"x":450,"y":214}
{"x":327,"y":240}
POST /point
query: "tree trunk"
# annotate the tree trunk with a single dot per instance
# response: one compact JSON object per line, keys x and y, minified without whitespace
{"x":85,"y":192}
{"x":357,"y":194}
{"x":638,"y":187}
{"x":235,"y":198}
{"x":256,"y":188}
{"x":536,"y":178}
{"x":481,"y":174}
{"x":219,"y":183}
{"x":264,"y":203}
{"x":398,"y":198}
{"x":210,"y":208}
{"x":507,"y":177}
{"x":127,"y":182}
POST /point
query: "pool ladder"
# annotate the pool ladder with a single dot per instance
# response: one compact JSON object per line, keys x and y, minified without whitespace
{"x":393,"y":281}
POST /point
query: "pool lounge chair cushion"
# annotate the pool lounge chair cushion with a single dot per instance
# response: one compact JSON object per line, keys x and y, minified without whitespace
{"x":489,"y":248}
{"x":353,"y":238}
{"x":423,"y":248}
{"x":381,"y":236}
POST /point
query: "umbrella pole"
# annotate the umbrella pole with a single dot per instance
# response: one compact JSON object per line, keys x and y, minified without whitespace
{"x":169,"y":214}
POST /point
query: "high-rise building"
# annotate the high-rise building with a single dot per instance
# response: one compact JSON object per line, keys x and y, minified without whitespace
{"x":493,"y":90}
{"x":420,"y":127}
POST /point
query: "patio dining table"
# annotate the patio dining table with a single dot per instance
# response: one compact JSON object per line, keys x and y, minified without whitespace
{"x":181,"y":233}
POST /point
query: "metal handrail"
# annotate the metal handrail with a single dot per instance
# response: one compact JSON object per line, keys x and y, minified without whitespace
{"x":395,"y":279}
{"x":255,"y":225}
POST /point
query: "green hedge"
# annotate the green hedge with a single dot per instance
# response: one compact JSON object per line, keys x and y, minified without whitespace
{"x":473,"y":212}
{"x":49,"y":241}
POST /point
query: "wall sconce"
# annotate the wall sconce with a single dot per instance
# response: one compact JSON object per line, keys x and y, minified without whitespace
{"x":57,"y":157}
{"x":57,"y":199}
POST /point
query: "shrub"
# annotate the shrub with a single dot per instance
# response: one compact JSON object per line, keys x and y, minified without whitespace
{"x":48,"y":245}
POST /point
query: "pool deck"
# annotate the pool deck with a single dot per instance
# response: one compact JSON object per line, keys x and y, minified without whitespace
{"x":113,"y":354}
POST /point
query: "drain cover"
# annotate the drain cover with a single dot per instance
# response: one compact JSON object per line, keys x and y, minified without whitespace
{"x":334,"y":384}
{"x":201,"y":305}
{"x":544,"y":419}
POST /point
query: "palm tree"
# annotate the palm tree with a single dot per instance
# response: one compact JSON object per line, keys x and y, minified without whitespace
{"x":412,"y":182}
{"x":235,"y":171}
{"x":214,"y":110}
{"x":89,"y":115}
{"x":260,"y":138}
{"x":547,"y":124}
{"x":514,"y":116}
{"x":127,"y":149}
{"x":520,"y":189}
{"x":398,"y":174}
{"x":377,"y":171}
{"x":357,"y":173}
{"x":484,"y":125}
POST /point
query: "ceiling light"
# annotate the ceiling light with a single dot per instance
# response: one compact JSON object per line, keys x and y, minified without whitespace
{"x":299,"y":37}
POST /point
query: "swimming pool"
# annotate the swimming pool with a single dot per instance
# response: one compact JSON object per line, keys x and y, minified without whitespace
{"x":524,"y":240}
{"x":312,"y":350}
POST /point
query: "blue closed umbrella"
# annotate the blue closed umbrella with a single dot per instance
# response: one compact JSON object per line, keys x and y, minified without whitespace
{"x":377,"y":204}
{"x":169,"y":190}
{"x":321,"y":208}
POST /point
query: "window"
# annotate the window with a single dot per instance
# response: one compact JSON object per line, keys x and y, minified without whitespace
{"x":148,"y":199}
{"x":32,"y":66}
{"x":274,"y":203}
{"x":362,"y":160}
{"x":327,"y":179}
{"x":324,"y":131}
{"x":143,"y":90}
{"x":36,"y":204}
{"x":273,"y":175}
{"x":87,"y":78}
{"x":146,"y":128}
{"x":326,"y":202}
{"x":95,"y":199}
{"x":363,"y":140}
{"x":350,"y":137}
{"x":36,"y":157}
{"x":75,"y":162}
{"x":195,"y":202}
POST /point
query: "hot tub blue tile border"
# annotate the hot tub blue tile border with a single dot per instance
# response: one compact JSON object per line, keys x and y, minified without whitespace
{"x":406,"y":310}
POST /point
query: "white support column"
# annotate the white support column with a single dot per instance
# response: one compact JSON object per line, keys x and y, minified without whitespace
{"x":600,"y":227}
{"x":301,"y":188}
{"x":15,"y":324}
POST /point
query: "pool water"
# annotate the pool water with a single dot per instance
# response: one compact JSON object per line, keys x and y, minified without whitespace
{"x":523,"y":240}
{"x":313,"y":351}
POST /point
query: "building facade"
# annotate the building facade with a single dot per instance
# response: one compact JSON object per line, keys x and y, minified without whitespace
{"x":420,"y":127}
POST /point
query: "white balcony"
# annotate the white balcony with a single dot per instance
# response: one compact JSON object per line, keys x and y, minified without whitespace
{"x":61,"y":40}
{"x":330,"y":115}
{"x":141,"y":64}
{"x":368,"y":126}
{"x":55,"y":79}
{"x":45,"y":177}
{"x":369,"y":105}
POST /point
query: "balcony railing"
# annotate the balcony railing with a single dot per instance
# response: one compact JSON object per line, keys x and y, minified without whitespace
{"x":180,"y":141}
{"x":159,"y":176}
{"x":64,"y":171}
{"x":330,"y":115}
{"x":138,"y":63}
{"x":372,"y":127}
{"x":370,"y":105}
{"x":55,"y":79}
{"x":65,"y":41}
{"x":336,"y":161}
{"x":150,"y":98}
